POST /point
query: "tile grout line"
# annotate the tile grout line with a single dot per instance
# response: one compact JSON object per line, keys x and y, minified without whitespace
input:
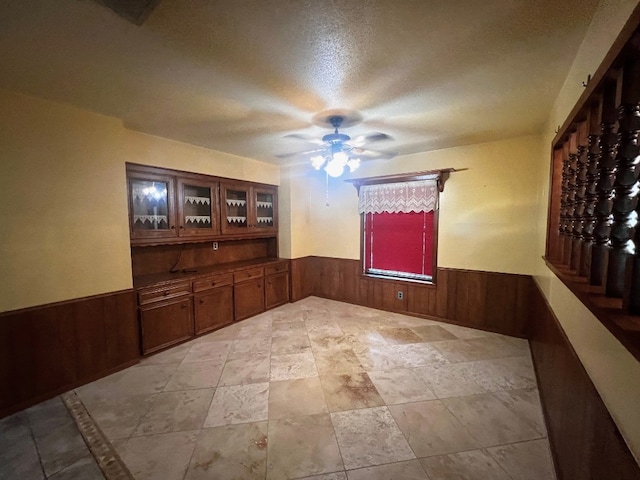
{"x":110,"y":463}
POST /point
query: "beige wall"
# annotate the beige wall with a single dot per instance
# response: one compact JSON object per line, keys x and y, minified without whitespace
{"x":487,"y":212}
{"x":63,"y":200}
{"x":615,"y":373}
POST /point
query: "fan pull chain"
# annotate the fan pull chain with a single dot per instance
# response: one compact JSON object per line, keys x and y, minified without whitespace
{"x":327,"y":189}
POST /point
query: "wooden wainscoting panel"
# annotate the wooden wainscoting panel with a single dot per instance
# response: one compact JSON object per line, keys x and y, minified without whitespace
{"x":302,"y":279}
{"x":49,"y":349}
{"x":585,"y":441}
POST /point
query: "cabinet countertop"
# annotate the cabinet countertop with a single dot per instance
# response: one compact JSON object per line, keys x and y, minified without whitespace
{"x":157,"y":279}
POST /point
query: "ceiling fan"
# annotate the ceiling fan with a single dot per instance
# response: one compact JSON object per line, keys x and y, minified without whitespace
{"x":337,"y":151}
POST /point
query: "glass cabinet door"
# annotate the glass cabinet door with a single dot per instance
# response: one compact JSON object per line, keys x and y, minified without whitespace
{"x":235,"y":209}
{"x":197,"y":208}
{"x":264,"y":209}
{"x":151,"y":214}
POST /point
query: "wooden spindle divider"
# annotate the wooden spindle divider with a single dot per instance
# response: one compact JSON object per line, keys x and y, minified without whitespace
{"x":574,"y":218}
{"x":607,"y":150}
{"x":625,"y":189}
{"x":582,"y":166}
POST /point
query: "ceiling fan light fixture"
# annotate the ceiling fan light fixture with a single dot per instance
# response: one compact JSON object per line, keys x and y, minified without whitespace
{"x":335,"y":167}
{"x":317,"y":162}
{"x":353,"y":164}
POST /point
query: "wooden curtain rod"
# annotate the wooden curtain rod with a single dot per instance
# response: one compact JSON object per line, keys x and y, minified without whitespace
{"x":440,"y":175}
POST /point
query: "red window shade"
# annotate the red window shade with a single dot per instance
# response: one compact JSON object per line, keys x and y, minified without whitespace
{"x":399,"y":242}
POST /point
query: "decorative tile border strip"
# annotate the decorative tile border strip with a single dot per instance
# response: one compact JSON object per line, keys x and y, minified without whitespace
{"x":113,"y":468}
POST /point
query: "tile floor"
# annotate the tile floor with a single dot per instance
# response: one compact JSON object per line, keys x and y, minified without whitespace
{"x":325,"y":390}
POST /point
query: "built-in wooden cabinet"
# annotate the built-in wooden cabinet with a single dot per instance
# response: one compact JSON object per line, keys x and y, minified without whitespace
{"x":152,"y":213}
{"x":204,"y":252}
{"x":248,"y":293}
{"x":276,"y":285}
{"x":213,"y":302}
{"x":197,"y":208}
{"x":248,"y":208}
{"x":166,"y":315}
{"x":169,"y":206}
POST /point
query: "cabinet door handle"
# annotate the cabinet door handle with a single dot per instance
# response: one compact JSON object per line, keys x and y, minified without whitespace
{"x":165,"y":293}
{"x":213,"y":284}
{"x":269,"y":282}
{"x":173,"y":227}
{"x":184,"y":305}
{"x":259,"y":286}
{"x":182,"y":227}
{"x":201,"y":300}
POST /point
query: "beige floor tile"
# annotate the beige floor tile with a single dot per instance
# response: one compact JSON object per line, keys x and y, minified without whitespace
{"x":504,"y":373}
{"x":449,"y":380}
{"x":285,"y":345}
{"x":379,"y":357}
{"x":173,"y":355}
{"x":483,"y":348}
{"x":411,"y":470}
{"x":119,"y":418}
{"x":526,"y":460}
{"x":230,"y":452}
{"x":240,"y":371}
{"x":164,"y":456}
{"x":331,"y":342}
{"x":250,"y":347}
{"x":473,"y":465}
{"x":289,"y":329}
{"x":302,"y":446}
{"x":525,"y":404}
{"x":137,"y":380}
{"x":238,"y":404}
{"x":349,"y":391}
{"x":195,"y":375}
{"x":431,"y":429}
{"x":208,"y":352}
{"x":400,"y":386}
{"x":328,"y":476}
{"x":338,"y":360}
{"x":433,"y":333}
{"x":321,"y":328}
{"x":176,"y":412}
{"x":297,"y":365}
{"x":399,"y":336}
{"x":418,"y":354}
{"x":227,"y":333}
{"x":252,"y":333}
{"x":465,"y":332}
{"x":487,"y":418}
{"x":369,"y":437}
{"x":301,"y":396}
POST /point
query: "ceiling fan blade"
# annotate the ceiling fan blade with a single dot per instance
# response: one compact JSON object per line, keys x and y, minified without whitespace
{"x":362,"y":140}
{"x":365,"y":154}
{"x":305,"y":138}
{"x":297,"y":154}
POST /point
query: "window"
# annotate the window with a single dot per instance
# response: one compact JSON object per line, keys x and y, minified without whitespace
{"x":399,"y":225}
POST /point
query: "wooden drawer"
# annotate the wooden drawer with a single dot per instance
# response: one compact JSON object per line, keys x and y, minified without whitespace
{"x":165,"y":292}
{"x":248,"y":274}
{"x":276,"y":268}
{"x":213,"y":281}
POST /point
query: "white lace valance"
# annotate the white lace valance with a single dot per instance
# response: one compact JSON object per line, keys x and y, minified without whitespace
{"x":416,"y":196}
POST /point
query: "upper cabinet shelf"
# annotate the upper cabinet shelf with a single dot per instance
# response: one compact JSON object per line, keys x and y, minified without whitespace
{"x":168,"y":206}
{"x":248,"y":208}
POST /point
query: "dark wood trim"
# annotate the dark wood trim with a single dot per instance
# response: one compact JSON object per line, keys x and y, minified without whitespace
{"x":48,"y":349}
{"x":599,"y":76}
{"x":440,"y":176}
{"x":585,"y":442}
{"x":497,"y":302}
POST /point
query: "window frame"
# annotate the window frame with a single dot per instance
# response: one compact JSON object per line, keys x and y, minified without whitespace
{"x":440,"y":176}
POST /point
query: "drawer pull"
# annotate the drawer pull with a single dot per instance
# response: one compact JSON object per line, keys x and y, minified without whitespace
{"x":165,"y":293}
{"x":184,"y":305}
{"x":201,"y":301}
{"x":213,"y":284}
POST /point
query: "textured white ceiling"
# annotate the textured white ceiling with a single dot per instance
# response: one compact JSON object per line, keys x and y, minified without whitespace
{"x":239,"y":75}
